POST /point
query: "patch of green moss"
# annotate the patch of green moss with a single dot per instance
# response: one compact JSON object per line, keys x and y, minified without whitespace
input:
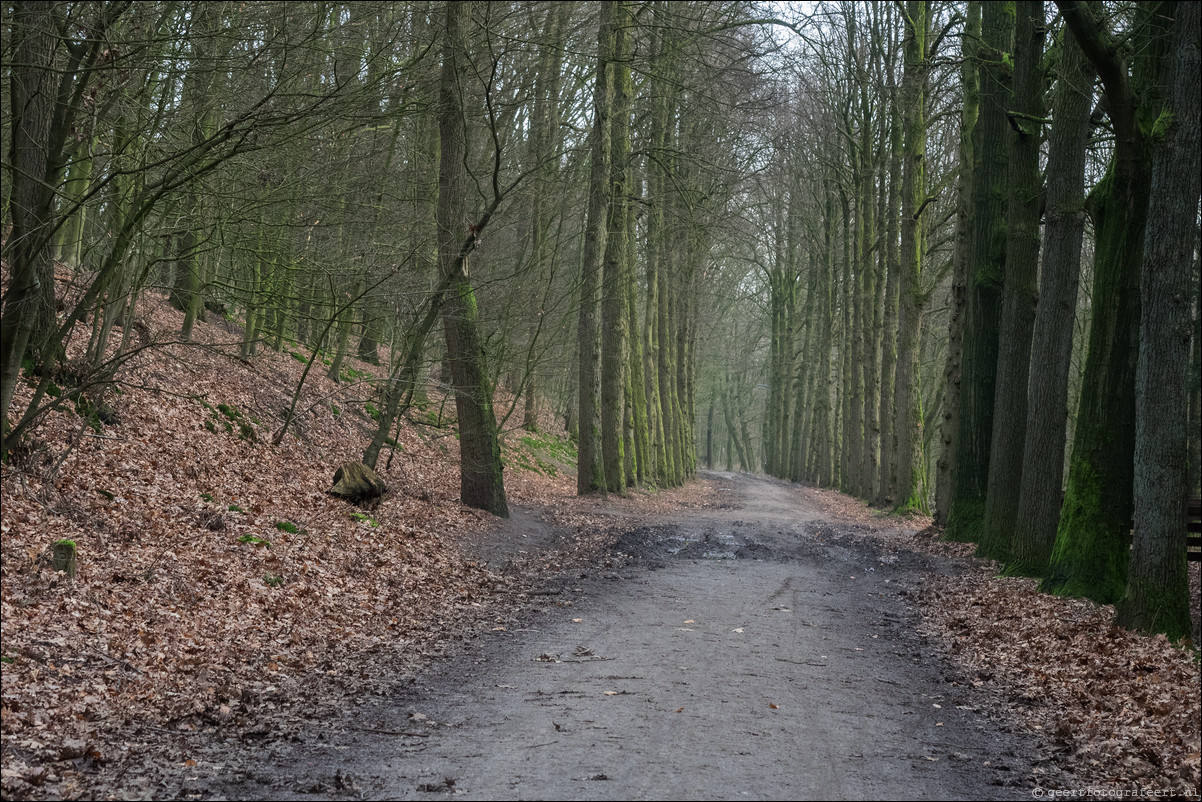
{"x":351,"y":374}
{"x":1091,"y":552}
{"x":230,"y":412}
{"x":965,"y":520}
{"x":334,"y":409}
{"x":236,"y":508}
{"x":207,"y":496}
{"x":361,"y":518}
{"x":254,"y":540}
{"x":273,"y":580}
{"x":65,"y":542}
{"x":372,"y":411}
{"x":287,"y":526}
{"x":559,"y":447}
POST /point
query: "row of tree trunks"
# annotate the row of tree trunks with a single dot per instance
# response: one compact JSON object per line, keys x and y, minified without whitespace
{"x":1091,"y":550}
{"x":635,"y":382}
{"x":1038,"y":508}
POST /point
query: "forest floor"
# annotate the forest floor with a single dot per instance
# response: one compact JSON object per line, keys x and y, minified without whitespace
{"x":235,"y":631}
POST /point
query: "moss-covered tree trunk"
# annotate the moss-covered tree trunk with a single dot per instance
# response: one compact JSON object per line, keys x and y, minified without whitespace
{"x":910,"y":467}
{"x":482,"y":483}
{"x":639,"y":442}
{"x":589,"y":474}
{"x":1039,"y":498}
{"x":823,"y":459}
{"x":1157,"y":594}
{"x":200,"y":87}
{"x":949,"y":426}
{"x":1020,"y":291}
{"x":887,"y":480}
{"x":615,"y":346}
{"x":984,"y":278}
{"x":845,"y":352}
{"x":660,"y":93}
{"x":1091,"y":551}
{"x":71,"y":235}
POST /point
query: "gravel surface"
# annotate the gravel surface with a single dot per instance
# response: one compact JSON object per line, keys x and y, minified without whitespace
{"x":753,"y":651}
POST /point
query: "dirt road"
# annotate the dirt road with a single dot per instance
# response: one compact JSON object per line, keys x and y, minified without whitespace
{"x":751,"y":652}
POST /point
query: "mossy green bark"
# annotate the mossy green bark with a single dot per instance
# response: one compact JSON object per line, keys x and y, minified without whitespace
{"x":590,"y":477}
{"x":1091,"y":552}
{"x":64,"y":558}
{"x":964,"y":520}
{"x":910,"y":460}
{"x":1157,"y":597}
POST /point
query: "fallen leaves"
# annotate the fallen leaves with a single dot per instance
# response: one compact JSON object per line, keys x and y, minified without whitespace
{"x":195,"y":610}
{"x":1126,"y":705}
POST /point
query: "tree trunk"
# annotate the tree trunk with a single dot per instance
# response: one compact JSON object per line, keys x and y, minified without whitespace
{"x":984,"y":279}
{"x":615,"y":345}
{"x":482,"y":483}
{"x":1091,"y":551}
{"x":910,"y":467}
{"x":1157,"y":595}
{"x":1020,"y":291}
{"x":26,"y":248}
{"x":887,"y":481}
{"x":589,"y":476}
{"x":948,"y":430}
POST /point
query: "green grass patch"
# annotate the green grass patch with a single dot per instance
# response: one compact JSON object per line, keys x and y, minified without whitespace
{"x":351,"y":374}
{"x":287,"y":526}
{"x":236,"y":508}
{"x":559,"y":448}
{"x":372,"y":411}
{"x":255,"y":540}
{"x":361,"y":518}
{"x":207,"y":496}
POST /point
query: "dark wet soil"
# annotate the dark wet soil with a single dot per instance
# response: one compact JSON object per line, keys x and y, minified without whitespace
{"x":755,"y":651}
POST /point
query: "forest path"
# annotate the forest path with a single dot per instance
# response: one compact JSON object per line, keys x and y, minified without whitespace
{"x":746,"y":652}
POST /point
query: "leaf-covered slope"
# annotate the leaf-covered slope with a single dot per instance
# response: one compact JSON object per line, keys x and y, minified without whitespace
{"x":218,"y":581}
